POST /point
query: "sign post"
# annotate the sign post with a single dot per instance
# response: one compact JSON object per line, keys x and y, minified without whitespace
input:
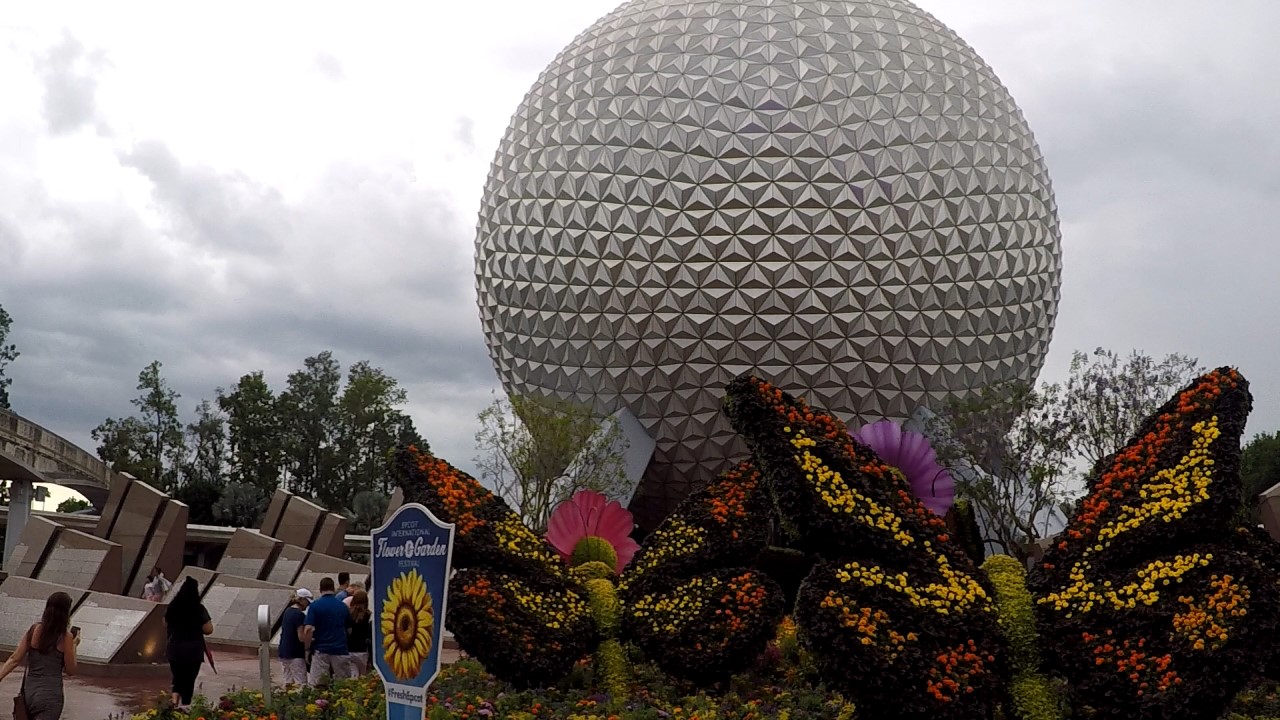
{"x":410,"y":557}
{"x":264,"y":650}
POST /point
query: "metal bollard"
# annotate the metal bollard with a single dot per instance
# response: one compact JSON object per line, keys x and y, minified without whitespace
{"x":264,"y":649}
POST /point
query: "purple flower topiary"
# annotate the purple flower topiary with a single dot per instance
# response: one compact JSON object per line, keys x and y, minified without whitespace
{"x":912,"y":454}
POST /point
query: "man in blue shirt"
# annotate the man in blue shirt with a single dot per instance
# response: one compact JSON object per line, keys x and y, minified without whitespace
{"x":344,"y":586}
{"x":325,"y":630}
{"x":293,"y":655}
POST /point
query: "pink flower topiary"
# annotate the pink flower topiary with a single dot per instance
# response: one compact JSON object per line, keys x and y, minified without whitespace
{"x":912,"y":454}
{"x":590,"y":526}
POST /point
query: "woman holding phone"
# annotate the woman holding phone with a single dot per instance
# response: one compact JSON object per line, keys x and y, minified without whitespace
{"x":49,"y":648}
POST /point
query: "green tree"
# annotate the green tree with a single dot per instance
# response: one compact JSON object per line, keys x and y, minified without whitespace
{"x":369,"y":427}
{"x":122,"y":444}
{"x":206,"y":439}
{"x":537,"y":452}
{"x":309,"y":417}
{"x":1106,"y":397}
{"x":1009,"y":450}
{"x":1259,"y":466}
{"x":241,"y":505}
{"x":8,"y":353}
{"x":149,"y":447}
{"x":367,"y":510}
{"x":200,"y":496}
{"x":254,"y":432}
{"x":158,"y":407}
{"x":71,"y":505}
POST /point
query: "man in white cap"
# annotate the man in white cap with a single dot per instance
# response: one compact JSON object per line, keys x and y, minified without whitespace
{"x":293,"y":652}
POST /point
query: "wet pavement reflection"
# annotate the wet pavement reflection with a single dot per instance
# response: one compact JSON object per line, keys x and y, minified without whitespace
{"x":99,"y":698}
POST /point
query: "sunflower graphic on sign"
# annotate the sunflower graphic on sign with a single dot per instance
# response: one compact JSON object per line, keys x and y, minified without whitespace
{"x":407,"y":622}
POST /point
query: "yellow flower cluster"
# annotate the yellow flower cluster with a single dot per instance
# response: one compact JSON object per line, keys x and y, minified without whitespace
{"x":674,"y":539}
{"x":557,"y":610}
{"x":837,"y":495}
{"x":1083,"y":594}
{"x":671,"y":611}
{"x":1172,"y":491}
{"x":869,"y":623}
{"x":516,"y":538}
{"x":606,"y":610}
{"x":1208,"y":624}
{"x":956,"y":592}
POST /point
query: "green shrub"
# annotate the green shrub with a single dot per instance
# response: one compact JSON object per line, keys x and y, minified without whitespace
{"x":1031,"y":692}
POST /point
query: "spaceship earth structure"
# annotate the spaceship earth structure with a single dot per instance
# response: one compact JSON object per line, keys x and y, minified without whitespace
{"x":838,"y":195}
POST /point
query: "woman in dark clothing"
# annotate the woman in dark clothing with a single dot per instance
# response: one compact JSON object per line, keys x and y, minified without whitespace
{"x":188,"y":623}
{"x":50,"y":649}
{"x":359,"y":634}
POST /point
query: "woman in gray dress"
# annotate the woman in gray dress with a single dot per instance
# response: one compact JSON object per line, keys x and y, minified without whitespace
{"x":49,"y":648}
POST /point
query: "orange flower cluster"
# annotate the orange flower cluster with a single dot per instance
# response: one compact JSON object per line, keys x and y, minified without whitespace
{"x":1130,"y":660}
{"x":459,"y":494}
{"x":868,"y":623}
{"x":741,"y":603}
{"x":1137,"y":462}
{"x":480,"y":589}
{"x":727,"y":496}
{"x":911,"y":505}
{"x":955,"y":671}
{"x":801,"y":418}
{"x":820,"y":424}
{"x":1208,"y":625}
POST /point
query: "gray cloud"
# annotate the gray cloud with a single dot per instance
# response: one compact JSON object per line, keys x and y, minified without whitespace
{"x":367,"y":264}
{"x":215,"y":210}
{"x":1158,"y":135}
{"x":1157,"y":129}
{"x":69,"y":75}
{"x":329,"y":66}
{"x":465,"y":135}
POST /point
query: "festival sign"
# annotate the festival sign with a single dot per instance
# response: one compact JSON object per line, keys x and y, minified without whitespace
{"x":411,"y":556}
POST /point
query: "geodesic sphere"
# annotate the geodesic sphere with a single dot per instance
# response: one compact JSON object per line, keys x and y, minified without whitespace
{"x":837,"y":195}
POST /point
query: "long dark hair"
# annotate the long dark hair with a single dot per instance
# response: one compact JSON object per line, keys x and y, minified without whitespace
{"x":185,"y":604}
{"x":360,"y":606}
{"x":54,"y":622}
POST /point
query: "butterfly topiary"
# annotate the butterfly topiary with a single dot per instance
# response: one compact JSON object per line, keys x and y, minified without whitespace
{"x":895,"y":615}
{"x":1151,"y":604}
{"x":1154,"y":604}
{"x":688,"y":598}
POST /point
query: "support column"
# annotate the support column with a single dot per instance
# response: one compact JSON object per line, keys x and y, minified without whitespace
{"x":20,"y":495}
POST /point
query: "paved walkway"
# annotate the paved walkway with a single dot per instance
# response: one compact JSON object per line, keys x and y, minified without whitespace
{"x":98,"y":698}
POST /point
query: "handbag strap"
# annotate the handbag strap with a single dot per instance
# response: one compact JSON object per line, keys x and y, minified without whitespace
{"x":31,"y":636}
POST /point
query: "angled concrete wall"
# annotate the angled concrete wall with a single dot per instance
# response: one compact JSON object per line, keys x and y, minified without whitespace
{"x":249,"y":554}
{"x":298,"y":521}
{"x":37,"y":540}
{"x":117,"y":629}
{"x":83,"y":561}
{"x":233,"y":602}
{"x":23,"y":600}
{"x":288,"y":564}
{"x":149,"y":526}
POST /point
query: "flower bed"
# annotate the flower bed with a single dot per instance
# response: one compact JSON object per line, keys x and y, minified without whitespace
{"x":464,"y":691}
{"x":782,"y":688}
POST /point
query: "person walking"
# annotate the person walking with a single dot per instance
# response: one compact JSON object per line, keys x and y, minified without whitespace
{"x":293,"y":654}
{"x":344,"y":586}
{"x":187,"y":623}
{"x":352,"y":589}
{"x":325,"y":630}
{"x":157,"y":586}
{"x":49,"y":648}
{"x":359,"y":633}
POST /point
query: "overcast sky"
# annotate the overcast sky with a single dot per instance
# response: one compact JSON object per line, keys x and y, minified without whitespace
{"x":237,"y":188}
